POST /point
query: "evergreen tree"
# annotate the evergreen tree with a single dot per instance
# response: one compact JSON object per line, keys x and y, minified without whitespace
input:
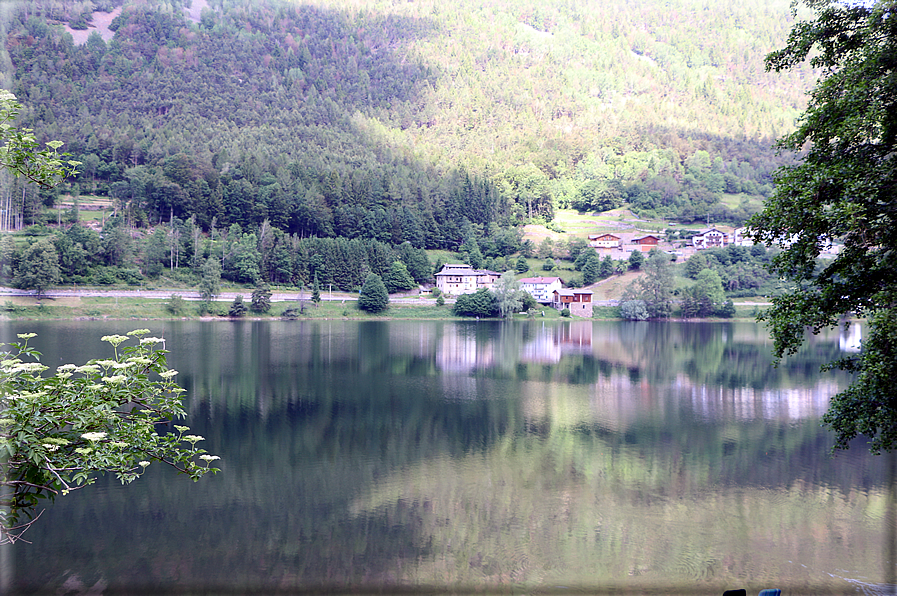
{"x":522,"y":266}
{"x":316,"y":290}
{"x":591,"y":268}
{"x":373,"y":297}
{"x":237,"y":307}
{"x":261,"y":300}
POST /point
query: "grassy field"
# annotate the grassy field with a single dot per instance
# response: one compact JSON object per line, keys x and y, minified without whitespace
{"x":29,"y":308}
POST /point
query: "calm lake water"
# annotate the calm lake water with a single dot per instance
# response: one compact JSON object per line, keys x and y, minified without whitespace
{"x":568,"y":457}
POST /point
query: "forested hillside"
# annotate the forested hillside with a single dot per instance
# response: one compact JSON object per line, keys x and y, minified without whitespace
{"x":407,"y":121}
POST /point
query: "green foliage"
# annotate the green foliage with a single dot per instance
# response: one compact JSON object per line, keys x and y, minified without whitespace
{"x":58,"y":433}
{"x":38,"y":267}
{"x":527,"y":302}
{"x":481,"y":303}
{"x":655,"y":288}
{"x":21,"y":154}
{"x":522,"y":266}
{"x":398,"y":279}
{"x":261,"y":300}
{"x":176,"y":305}
{"x":590,"y":267}
{"x":310,"y":154}
{"x":565,"y":313}
{"x":548,"y":265}
{"x":636,"y":260}
{"x":316,"y":290}
{"x":440,"y":300}
{"x":507,"y":294}
{"x":634,"y":310}
{"x":237,"y":307}
{"x":695,"y":264}
{"x":373,"y":297}
{"x":210,"y":282}
{"x":842,"y":189}
{"x":470,"y":252}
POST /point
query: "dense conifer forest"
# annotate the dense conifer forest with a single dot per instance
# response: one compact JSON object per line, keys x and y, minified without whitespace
{"x":370,"y":124}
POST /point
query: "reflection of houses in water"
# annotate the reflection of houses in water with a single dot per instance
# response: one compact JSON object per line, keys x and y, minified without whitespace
{"x":460,"y":352}
{"x":543,"y":349}
{"x":576,"y":336}
{"x":850,"y":336}
{"x":554,"y":341}
{"x":746,"y":403}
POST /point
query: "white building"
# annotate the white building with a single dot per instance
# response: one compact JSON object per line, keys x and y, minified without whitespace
{"x":541,"y":288}
{"x":457,"y":278}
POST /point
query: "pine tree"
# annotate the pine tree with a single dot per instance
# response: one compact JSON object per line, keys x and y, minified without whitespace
{"x":373,"y":297}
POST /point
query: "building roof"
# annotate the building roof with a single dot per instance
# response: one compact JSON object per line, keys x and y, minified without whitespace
{"x":571,"y":292}
{"x":539,"y":280}
{"x":597,"y":236}
{"x":463,"y":269}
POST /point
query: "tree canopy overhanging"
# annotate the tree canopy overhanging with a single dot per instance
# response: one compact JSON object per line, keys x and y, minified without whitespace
{"x":59,"y":432}
{"x":843,"y":189}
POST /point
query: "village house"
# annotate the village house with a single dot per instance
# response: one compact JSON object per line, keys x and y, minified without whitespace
{"x":578,"y":301}
{"x":646,"y":243}
{"x":606,"y":241}
{"x":458,"y":278}
{"x":711,"y":238}
{"x":541,"y":288}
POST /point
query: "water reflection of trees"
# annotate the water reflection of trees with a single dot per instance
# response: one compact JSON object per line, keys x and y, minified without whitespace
{"x":363,"y":454}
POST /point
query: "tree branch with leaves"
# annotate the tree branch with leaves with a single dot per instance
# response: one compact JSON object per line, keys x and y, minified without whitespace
{"x":843,"y":190}
{"x":21,"y":153}
{"x":59,"y":433}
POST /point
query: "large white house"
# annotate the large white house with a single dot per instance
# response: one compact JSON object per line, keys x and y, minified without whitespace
{"x":541,"y":288}
{"x":458,"y":278}
{"x":711,"y":238}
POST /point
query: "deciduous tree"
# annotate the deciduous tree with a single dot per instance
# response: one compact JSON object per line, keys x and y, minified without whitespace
{"x":843,"y":189}
{"x":39,"y":267}
{"x":398,"y":278}
{"x":507,"y":290}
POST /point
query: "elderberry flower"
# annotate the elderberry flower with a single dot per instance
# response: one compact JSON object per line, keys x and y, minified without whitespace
{"x":115,"y":340}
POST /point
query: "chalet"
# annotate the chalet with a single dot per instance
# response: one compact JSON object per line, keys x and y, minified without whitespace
{"x":605,"y":241}
{"x":646,"y":243}
{"x":711,"y":238}
{"x":740,"y":237}
{"x":578,"y":301}
{"x":457,"y":278}
{"x":541,"y":288}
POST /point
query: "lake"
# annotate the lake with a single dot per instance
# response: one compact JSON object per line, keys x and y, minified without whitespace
{"x":561,"y":457}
